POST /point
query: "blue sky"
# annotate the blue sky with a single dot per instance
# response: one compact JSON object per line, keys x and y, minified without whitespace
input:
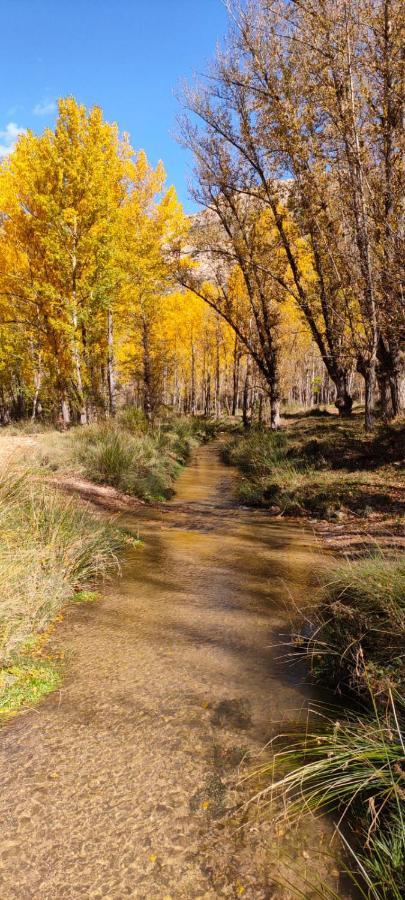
{"x":128,"y":56}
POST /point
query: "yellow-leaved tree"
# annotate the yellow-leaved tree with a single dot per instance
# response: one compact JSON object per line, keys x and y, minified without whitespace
{"x":153,"y":226}
{"x":60,"y":195}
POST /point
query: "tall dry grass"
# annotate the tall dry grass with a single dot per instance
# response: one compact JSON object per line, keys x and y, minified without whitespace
{"x":50,"y":547}
{"x":352,"y":763}
{"x":137,"y":459}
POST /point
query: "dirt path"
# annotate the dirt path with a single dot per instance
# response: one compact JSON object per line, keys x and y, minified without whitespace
{"x":118,"y":785}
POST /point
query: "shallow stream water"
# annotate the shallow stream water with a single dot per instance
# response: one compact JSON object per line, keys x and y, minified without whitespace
{"x":126,"y":782}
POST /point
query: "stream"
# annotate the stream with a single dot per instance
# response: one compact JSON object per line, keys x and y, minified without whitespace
{"x":127,"y":781}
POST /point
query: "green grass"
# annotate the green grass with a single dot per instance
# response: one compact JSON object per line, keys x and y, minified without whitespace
{"x":257,"y":452}
{"x":136,"y":459}
{"x":51,"y":548}
{"x":24,"y":682}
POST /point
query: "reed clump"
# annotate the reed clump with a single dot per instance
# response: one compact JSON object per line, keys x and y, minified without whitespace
{"x":358,"y":639}
{"x":352,"y":765}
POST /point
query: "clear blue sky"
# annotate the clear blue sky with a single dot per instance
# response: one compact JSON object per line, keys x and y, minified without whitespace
{"x":128,"y":56}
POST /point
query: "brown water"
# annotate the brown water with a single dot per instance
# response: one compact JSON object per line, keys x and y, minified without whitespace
{"x":118,"y":785}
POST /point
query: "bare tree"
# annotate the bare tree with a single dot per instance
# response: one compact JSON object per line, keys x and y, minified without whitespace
{"x":311,"y":90}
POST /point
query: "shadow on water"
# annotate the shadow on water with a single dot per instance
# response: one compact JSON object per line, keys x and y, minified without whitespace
{"x":118,"y":785}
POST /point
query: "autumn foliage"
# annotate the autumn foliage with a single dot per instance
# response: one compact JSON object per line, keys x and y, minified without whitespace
{"x":288,"y":285}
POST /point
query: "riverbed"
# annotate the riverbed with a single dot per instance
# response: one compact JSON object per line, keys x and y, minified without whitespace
{"x":127,"y":781}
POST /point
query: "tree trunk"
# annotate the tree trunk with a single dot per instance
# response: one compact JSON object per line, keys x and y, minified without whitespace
{"x":246,"y":394}
{"x":65,"y":412}
{"x":76,"y":351}
{"x":235,"y":377}
{"x":343,"y":401}
{"x":192,"y":391}
{"x":274,"y":399}
{"x":369,"y":379}
{"x":389,"y":368}
{"x":147,"y":373}
{"x":217,"y":377}
{"x":79,"y":380}
{"x":274,"y":414}
{"x":110,"y":365}
{"x":207,"y":402}
{"x":397,"y":395}
{"x":385,"y":396}
{"x":37,"y":383}
{"x":260,"y":410}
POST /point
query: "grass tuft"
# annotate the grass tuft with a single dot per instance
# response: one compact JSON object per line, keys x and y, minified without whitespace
{"x":25,"y":682}
{"x":354,"y":766}
{"x":357,"y":641}
{"x":138,"y":461}
{"x":51,"y":547}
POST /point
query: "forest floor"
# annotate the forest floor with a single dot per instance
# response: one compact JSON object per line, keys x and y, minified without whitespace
{"x":376,"y":464}
{"x":349,"y":485}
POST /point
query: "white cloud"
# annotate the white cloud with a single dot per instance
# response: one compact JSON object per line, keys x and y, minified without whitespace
{"x":8,"y":138}
{"x":44,"y":108}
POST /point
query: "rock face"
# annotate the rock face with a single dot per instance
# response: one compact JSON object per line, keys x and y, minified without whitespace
{"x":211,"y":247}
{"x":206,"y":234}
